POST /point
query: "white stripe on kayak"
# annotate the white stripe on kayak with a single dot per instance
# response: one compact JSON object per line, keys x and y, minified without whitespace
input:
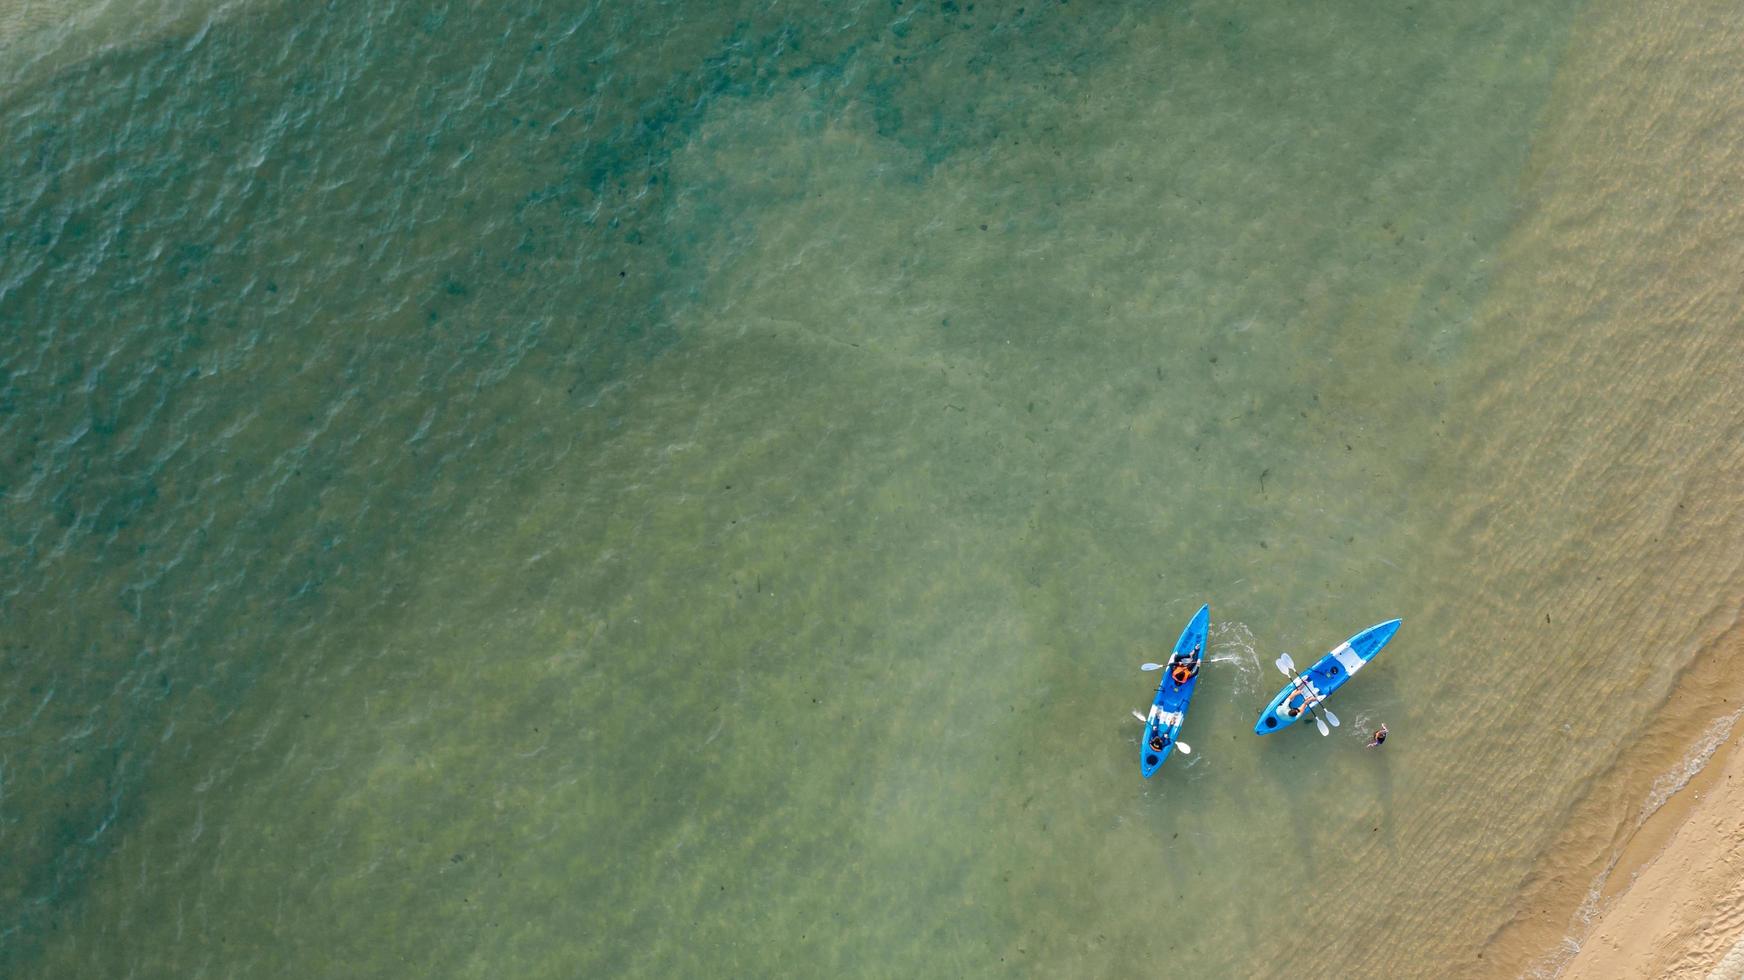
{"x":1167,"y":719}
{"x":1346,"y":656}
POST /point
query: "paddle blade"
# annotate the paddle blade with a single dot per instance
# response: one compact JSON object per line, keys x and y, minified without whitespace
{"x":1141,"y":718}
{"x":1330,"y":717}
{"x":1184,"y":747}
{"x":1286,"y":666}
{"x":1321,"y":725}
{"x":1150,"y":666}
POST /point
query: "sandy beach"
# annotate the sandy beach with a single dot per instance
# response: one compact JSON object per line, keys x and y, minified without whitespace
{"x":1681,"y":913}
{"x":1647,"y":877}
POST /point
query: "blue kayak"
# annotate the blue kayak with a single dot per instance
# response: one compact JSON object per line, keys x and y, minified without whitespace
{"x":1169,"y":709}
{"x":1315,"y":684}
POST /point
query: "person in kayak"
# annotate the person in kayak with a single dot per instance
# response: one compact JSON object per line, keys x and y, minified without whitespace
{"x":1380,"y":737}
{"x":1160,"y":741}
{"x":1309,"y":698}
{"x":1186,"y":665}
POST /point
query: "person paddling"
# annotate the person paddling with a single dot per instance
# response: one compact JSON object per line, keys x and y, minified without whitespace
{"x":1309,"y":698}
{"x":1185,"y":666}
{"x":1380,"y":737}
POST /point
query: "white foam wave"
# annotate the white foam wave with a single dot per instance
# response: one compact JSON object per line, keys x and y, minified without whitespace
{"x":1232,"y":644}
{"x":1731,"y":966}
{"x":1664,"y":788}
{"x":1676,"y":778}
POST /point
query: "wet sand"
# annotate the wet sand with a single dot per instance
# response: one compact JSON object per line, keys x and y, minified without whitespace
{"x":1681,"y":913}
{"x":1647,"y":878}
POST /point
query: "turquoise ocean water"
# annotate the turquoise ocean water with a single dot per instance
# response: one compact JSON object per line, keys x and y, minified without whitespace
{"x":665,"y":489}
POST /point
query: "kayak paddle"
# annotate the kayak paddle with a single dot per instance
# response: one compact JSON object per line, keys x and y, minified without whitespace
{"x":1183,"y":746}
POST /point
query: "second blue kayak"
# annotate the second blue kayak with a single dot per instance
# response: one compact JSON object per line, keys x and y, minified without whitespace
{"x":1169,"y":708}
{"x":1313,"y":685}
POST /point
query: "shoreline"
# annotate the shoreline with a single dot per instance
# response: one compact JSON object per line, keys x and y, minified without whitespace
{"x":1646,"y":895}
{"x":1679,"y":912}
{"x":1637,"y":865}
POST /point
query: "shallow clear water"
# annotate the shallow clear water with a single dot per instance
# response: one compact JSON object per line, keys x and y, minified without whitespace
{"x":654,"y":489}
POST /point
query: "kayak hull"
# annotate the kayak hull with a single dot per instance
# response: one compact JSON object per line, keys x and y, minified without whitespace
{"x":1328,"y":674}
{"x":1169,"y":707}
